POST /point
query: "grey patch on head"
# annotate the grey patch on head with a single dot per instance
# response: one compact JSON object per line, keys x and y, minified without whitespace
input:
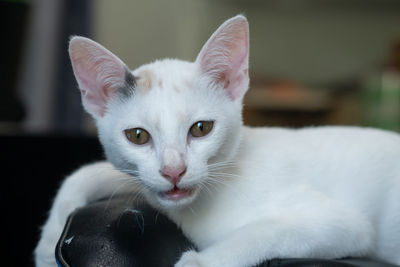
{"x":130,"y":84}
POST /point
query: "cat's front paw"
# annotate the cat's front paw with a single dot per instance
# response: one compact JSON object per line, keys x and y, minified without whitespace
{"x":191,"y":259}
{"x":44,"y":252}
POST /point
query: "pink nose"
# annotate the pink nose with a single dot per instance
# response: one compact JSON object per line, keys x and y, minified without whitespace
{"x":173,"y":174}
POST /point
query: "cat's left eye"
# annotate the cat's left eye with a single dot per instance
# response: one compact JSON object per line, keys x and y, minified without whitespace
{"x":137,"y":136}
{"x":201,"y":128}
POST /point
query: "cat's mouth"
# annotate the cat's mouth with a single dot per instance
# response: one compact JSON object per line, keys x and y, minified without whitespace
{"x":176,"y":193}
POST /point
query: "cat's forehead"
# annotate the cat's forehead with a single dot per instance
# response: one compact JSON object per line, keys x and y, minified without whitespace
{"x":168,"y":74}
{"x":166,"y":96}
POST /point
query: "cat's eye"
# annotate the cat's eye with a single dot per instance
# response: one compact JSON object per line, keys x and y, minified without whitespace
{"x":137,"y":136}
{"x":201,"y":128}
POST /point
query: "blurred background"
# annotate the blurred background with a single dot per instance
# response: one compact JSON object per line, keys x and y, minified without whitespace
{"x":312,"y":62}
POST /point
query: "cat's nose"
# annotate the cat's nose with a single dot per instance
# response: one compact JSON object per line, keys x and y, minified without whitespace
{"x":173,"y":174}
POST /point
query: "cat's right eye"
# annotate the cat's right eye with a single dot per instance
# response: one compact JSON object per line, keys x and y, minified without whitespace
{"x":137,"y":136}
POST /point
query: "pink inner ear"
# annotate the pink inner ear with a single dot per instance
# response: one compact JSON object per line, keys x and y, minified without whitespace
{"x":225,"y":56}
{"x":99,"y":73}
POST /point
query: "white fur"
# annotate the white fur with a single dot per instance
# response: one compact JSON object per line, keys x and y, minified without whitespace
{"x":260,"y":193}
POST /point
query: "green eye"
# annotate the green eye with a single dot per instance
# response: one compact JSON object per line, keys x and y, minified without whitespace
{"x":137,"y":136}
{"x":201,"y":128}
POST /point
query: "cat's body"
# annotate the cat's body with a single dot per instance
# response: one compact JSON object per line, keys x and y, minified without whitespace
{"x":314,"y":179}
{"x":240,"y":194}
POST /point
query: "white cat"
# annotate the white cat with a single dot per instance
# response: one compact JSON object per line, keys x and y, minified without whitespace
{"x":173,"y":131}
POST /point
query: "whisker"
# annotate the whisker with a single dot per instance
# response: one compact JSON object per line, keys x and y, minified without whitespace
{"x":135,"y":197}
{"x":114,"y":192}
{"x":216,"y":181}
{"x":231,"y":163}
{"x":224,"y":174}
{"x":205,"y":185}
{"x":192,"y":210}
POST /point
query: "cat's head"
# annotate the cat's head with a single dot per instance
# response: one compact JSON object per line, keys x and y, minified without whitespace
{"x":168,"y":123}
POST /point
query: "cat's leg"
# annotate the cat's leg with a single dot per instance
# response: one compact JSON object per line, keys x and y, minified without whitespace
{"x":323,"y":229}
{"x":87,"y":184}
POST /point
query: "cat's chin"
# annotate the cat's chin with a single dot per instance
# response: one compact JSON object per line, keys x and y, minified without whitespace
{"x":176,"y":197}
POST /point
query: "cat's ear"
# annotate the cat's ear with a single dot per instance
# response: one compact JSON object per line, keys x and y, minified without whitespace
{"x":225,"y":57}
{"x":99,"y":73}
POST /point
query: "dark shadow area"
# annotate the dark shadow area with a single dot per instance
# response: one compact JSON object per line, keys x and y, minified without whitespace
{"x":33,"y":168}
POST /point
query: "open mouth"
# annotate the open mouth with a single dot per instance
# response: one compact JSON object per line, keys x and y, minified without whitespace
{"x":176,"y":193}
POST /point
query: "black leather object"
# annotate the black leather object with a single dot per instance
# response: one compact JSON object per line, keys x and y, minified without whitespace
{"x":113,"y":234}
{"x":116,"y":234}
